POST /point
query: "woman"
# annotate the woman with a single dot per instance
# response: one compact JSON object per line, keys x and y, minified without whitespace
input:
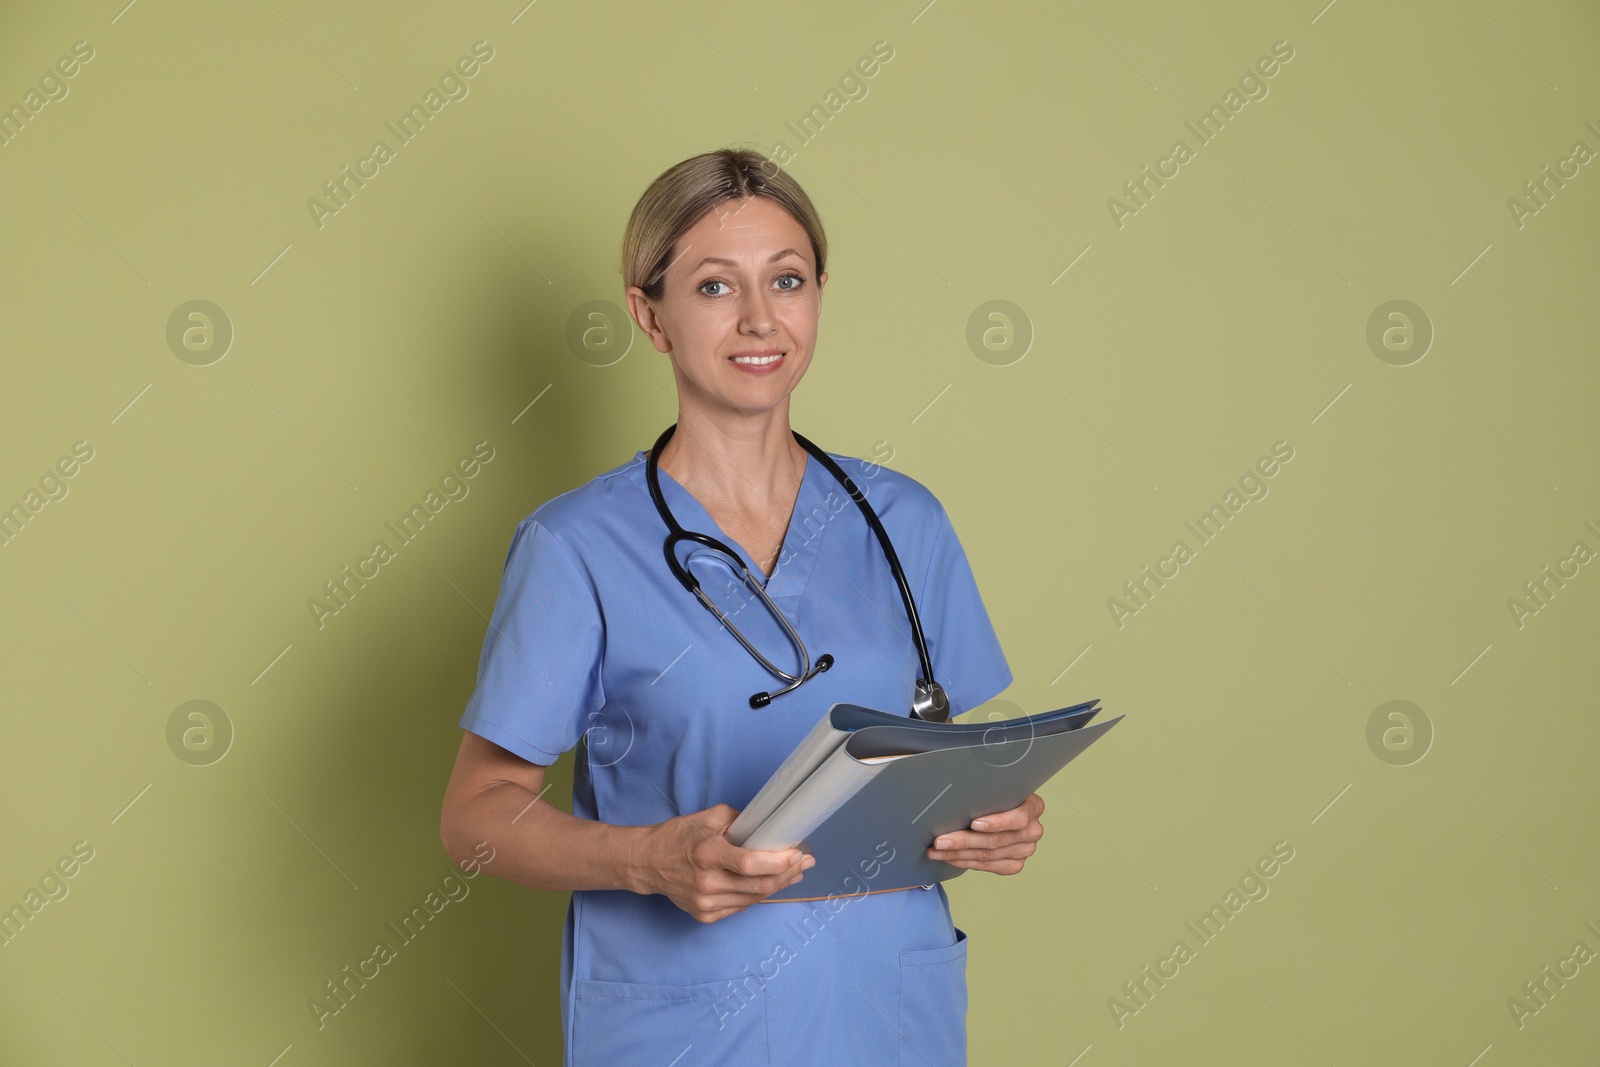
{"x":670,"y":953}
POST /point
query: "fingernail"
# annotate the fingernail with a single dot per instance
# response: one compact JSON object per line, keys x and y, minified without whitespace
{"x":810,"y":862}
{"x":980,"y":824}
{"x":943,"y":842}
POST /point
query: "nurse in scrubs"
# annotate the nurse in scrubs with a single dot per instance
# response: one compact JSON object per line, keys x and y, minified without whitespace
{"x":671,"y":955}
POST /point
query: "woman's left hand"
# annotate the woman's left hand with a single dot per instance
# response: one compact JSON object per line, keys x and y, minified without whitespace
{"x":1000,"y":843}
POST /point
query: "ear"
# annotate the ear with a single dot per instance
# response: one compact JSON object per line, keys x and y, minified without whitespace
{"x":644,"y":313}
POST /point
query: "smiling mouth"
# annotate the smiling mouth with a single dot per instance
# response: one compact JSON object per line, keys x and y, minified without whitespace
{"x":757,"y":361}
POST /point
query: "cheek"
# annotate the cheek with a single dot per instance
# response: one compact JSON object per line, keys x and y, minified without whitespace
{"x":699,"y":336}
{"x":800,"y":311}
{"x":801,"y":325}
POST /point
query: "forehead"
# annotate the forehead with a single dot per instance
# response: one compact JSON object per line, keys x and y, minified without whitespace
{"x":748,"y":229}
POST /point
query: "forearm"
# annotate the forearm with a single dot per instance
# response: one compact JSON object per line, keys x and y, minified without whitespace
{"x":538,"y":845}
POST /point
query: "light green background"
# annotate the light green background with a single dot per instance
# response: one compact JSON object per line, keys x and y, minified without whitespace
{"x":1225,"y":316}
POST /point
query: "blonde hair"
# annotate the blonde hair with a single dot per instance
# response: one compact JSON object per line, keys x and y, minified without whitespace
{"x":682,"y":194}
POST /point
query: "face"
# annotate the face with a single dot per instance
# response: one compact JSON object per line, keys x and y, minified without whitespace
{"x":742,"y":283}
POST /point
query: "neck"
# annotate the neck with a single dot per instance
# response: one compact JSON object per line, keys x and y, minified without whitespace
{"x":753,"y":465}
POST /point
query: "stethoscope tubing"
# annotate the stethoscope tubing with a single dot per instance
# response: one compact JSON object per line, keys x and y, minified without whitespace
{"x":676,"y":533}
{"x":888,"y":550}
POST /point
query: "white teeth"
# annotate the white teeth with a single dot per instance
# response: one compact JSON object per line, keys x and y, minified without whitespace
{"x":758,"y":360}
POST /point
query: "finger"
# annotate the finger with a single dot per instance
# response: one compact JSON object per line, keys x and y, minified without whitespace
{"x":975,"y":839}
{"x":997,"y":867}
{"x":758,"y":886}
{"x":1016,"y":850}
{"x":742,"y":889}
{"x":711,"y":915}
{"x":719,"y":817}
{"x":740,"y":896}
{"x":759,"y":861}
{"x":787,"y":882}
{"x":713,"y":850}
{"x":1012,"y":819}
{"x":792,"y":875}
{"x":717,"y":852}
{"x":1020,"y":850}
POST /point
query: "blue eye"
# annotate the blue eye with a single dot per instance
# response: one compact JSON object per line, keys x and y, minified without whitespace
{"x":791,"y":276}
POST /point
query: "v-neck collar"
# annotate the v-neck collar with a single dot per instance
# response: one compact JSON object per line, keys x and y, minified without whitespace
{"x":789,"y":576}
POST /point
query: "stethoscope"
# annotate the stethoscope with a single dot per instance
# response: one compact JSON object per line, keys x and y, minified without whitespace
{"x":928,"y":701}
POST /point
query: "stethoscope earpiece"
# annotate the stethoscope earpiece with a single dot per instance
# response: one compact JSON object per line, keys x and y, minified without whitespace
{"x":761,"y":700}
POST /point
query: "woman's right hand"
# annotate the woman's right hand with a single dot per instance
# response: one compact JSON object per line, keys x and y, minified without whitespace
{"x":690,"y":860}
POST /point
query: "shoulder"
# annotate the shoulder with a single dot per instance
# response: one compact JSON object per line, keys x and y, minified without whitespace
{"x":581,"y":515}
{"x":891,"y":493}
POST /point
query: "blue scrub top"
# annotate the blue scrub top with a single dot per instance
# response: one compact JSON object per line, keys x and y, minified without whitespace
{"x":593,"y":640}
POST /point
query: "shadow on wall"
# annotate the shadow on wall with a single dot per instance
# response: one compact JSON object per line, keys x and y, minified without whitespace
{"x":482,"y":971}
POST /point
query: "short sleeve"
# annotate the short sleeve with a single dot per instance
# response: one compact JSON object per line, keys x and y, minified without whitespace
{"x":539,"y":673}
{"x":966,"y":653}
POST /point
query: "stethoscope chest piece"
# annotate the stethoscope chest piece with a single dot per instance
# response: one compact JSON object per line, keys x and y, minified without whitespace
{"x":930,"y":702}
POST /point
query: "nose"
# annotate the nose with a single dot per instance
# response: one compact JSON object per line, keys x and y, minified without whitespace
{"x":755,"y":312}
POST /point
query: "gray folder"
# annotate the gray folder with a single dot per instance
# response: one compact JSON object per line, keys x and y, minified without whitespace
{"x":946,"y":775}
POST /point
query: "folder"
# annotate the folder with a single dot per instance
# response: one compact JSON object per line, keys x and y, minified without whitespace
{"x":866,"y":792}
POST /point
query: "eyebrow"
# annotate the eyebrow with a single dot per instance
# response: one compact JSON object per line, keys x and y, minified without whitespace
{"x":730,"y":263}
